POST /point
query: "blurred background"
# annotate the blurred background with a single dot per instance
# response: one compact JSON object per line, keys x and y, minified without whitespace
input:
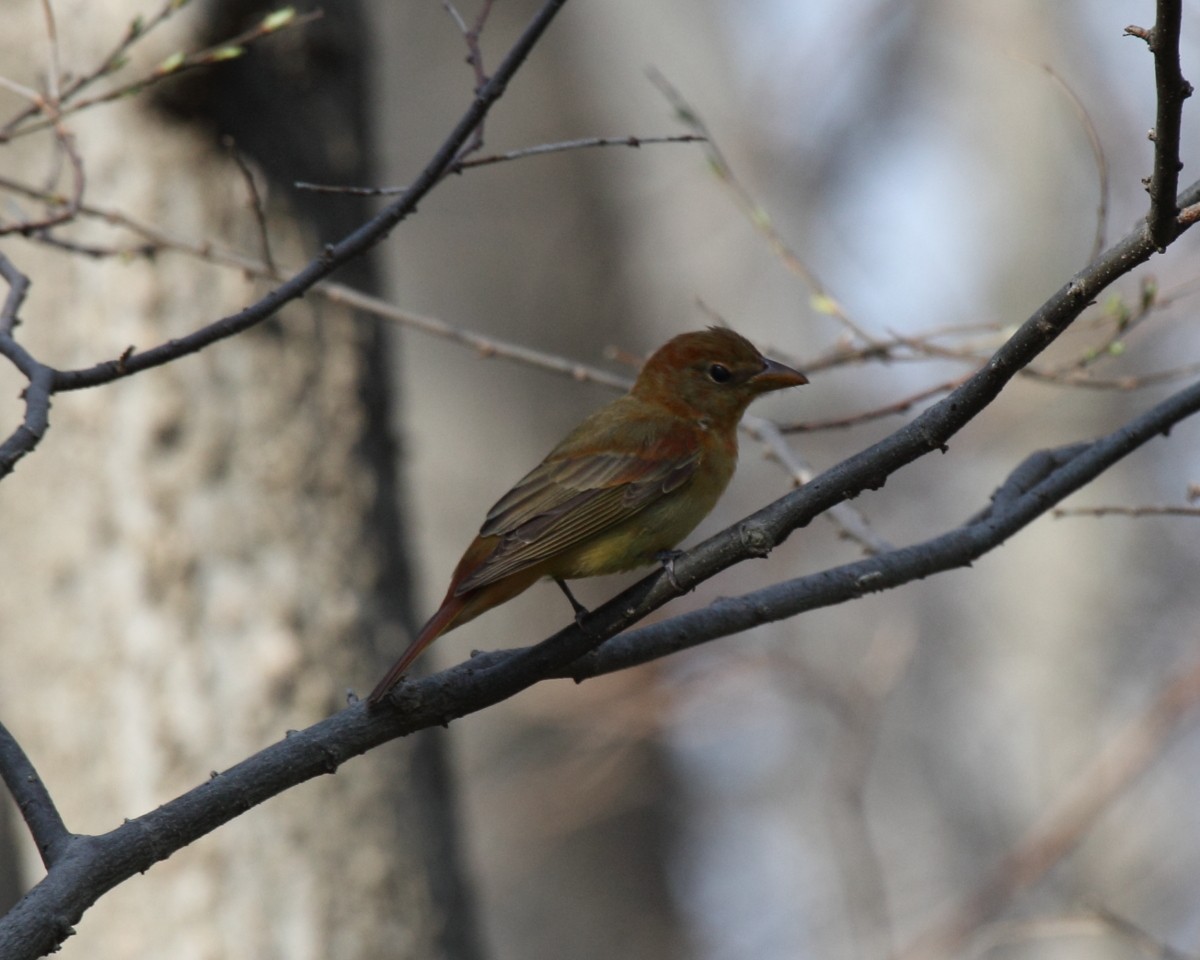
{"x":962,"y":767}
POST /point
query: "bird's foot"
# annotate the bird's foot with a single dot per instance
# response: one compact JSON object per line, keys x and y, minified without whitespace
{"x":667,"y":558}
{"x":580,"y":610}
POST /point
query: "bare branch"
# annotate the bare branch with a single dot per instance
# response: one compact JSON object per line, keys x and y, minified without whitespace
{"x":1097,"y":148}
{"x":541,"y":149}
{"x":1162,"y":221}
{"x":172,"y":66}
{"x":256,"y":205}
{"x":823,"y":301}
{"x":336,"y":254}
{"x":114,"y":61}
{"x":1034,"y":487}
{"x":1147,"y":511}
{"x":62,"y":209}
{"x":99,"y":863}
{"x":903,"y":405}
{"x":471,"y":36}
{"x":33,"y":799}
{"x":848,"y":519}
{"x":37,"y":393}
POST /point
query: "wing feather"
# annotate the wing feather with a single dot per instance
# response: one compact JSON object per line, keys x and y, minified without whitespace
{"x":566,"y":500}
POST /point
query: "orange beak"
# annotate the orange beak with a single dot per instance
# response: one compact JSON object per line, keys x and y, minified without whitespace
{"x":777,"y":376}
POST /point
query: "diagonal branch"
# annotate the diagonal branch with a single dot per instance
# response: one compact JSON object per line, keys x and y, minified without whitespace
{"x":90,"y":866}
{"x":45,"y":381}
{"x":337,"y":254}
{"x":1034,"y":487}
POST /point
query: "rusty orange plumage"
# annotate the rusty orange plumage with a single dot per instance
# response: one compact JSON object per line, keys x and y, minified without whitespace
{"x":627,"y":484}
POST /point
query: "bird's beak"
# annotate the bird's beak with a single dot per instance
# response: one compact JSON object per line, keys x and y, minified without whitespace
{"x":777,"y":376}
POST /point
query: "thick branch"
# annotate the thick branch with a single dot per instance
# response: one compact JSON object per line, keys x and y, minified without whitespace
{"x":93,"y":865}
{"x":1033,"y":488}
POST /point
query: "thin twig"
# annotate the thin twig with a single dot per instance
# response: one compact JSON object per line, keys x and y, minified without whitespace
{"x":256,"y":205}
{"x":541,"y":149}
{"x":63,"y":209}
{"x":823,"y":301}
{"x":54,"y":74}
{"x":471,"y":36}
{"x":138,"y":29}
{"x":336,"y":254}
{"x":176,"y":64}
{"x":1146,"y":511}
{"x":43,"y":380}
{"x":903,"y":405}
{"x":1098,"y":155}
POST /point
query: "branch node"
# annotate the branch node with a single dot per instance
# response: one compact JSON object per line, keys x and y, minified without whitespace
{"x":756,"y":539}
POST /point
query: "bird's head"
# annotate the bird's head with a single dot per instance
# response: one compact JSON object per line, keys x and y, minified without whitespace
{"x":712,"y":373}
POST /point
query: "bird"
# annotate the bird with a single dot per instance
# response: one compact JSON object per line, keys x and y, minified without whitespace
{"x":621,"y":490}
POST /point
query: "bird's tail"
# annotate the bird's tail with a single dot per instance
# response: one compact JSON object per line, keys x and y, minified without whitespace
{"x":439,"y":623}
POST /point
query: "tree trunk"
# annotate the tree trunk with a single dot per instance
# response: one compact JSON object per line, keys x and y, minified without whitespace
{"x":205,"y":555}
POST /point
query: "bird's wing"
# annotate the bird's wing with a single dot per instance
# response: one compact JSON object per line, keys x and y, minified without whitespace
{"x":564,"y":501}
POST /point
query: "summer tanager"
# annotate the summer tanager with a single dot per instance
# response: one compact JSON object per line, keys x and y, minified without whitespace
{"x":622,"y":489}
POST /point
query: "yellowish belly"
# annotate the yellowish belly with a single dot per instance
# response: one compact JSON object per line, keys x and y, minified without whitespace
{"x":637,"y":541}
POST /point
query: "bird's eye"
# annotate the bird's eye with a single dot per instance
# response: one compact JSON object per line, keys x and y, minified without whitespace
{"x":719,"y":373}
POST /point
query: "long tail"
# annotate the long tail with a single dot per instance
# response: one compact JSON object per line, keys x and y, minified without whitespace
{"x":439,"y":623}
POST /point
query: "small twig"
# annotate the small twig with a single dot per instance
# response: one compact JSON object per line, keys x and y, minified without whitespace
{"x":471,"y":36}
{"x":903,"y":405}
{"x":822,"y":300}
{"x":66,"y":207}
{"x":37,"y":807}
{"x":1098,"y":155}
{"x":54,"y":75}
{"x":1124,"y":321}
{"x":1189,"y":215}
{"x":114,"y":61}
{"x":536,"y":151}
{"x":1145,"y":511}
{"x":256,"y":205}
{"x":176,"y":64}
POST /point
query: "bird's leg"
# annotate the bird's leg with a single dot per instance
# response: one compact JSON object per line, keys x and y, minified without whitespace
{"x":667,"y":558}
{"x":580,"y":610}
